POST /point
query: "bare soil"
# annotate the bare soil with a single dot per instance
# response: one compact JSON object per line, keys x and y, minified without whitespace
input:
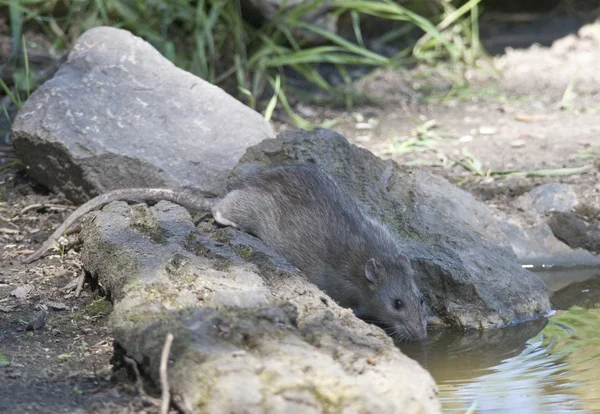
{"x":521,"y":120}
{"x":64,"y":365}
{"x":533,"y":111}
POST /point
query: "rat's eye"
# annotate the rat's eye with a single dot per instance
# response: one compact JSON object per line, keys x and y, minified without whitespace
{"x":398,"y":304}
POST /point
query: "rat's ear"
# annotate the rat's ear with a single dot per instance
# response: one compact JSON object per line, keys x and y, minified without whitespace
{"x":371,"y":270}
{"x":402,"y":260}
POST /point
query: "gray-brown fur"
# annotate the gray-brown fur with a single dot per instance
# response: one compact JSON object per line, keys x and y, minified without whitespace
{"x":302,"y":214}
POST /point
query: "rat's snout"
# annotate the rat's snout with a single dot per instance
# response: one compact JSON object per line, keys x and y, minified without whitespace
{"x":418,"y":330}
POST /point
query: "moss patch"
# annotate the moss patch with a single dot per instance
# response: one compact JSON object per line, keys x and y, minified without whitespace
{"x":96,"y":307}
{"x":146,"y":224}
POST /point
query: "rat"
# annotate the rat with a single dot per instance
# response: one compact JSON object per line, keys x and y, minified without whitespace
{"x":301,"y":213}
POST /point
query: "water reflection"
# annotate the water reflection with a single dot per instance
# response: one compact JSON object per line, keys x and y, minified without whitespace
{"x":558,"y":278}
{"x":452,"y":356}
{"x":543,"y":366}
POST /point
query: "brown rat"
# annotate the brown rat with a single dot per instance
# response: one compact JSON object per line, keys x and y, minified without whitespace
{"x":301,"y":213}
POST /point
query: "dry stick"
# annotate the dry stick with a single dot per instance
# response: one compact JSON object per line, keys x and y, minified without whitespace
{"x":80,"y":283}
{"x":138,"y":381}
{"x":164,"y":380}
{"x":9,"y":222}
{"x":136,"y":371}
{"x":36,"y":206}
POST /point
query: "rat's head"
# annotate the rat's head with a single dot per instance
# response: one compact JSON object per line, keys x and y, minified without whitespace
{"x":395,"y":302}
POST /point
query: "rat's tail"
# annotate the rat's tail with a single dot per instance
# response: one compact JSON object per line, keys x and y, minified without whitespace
{"x":181,"y":197}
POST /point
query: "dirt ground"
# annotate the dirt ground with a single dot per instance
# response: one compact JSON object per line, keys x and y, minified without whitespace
{"x":532,"y":111}
{"x":59,"y":362}
{"x":539,"y":113}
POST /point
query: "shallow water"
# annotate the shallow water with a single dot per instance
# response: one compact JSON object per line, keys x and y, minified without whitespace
{"x":544,"y":366}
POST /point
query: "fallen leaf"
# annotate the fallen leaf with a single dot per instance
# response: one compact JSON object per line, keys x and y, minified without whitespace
{"x":22,"y":291}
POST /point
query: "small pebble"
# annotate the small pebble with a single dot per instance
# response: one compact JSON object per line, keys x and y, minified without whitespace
{"x":486,"y":130}
{"x":518,"y":143}
{"x":359,"y":117}
{"x":305,"y":110}
{"x":363,"y":125}
{"x":466,"y":138}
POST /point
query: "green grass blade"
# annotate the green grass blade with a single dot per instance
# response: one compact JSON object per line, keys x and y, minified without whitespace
{"x":356,"y":27}
{"x":388,"y":9}
{"x":102,"y":9}
{"x":475,"y":42}
{"x":329,"y":54}
{"x":558,"y":172}
{"x":310,"y":73}
{"x":566,"y":103}
{"x":249,"y":94}
{"x":16,"y":22}
{"x":396,"y":33}
{"x":296,"y":119}
{"x":457,"y":14}
{"x":13,"y":98}
{"x":374,"y":58}
{"x":5,"y":111}
{"x":26,"y":63}
{"x":472,"y":408}
{"x":126,"y":12}
{"x":239,"y":71}
{"x":273,"y":101}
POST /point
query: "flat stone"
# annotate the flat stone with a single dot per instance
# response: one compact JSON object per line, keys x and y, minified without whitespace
{"x":464,"y":263}
{"x":549,"y":197}
{"x":118,"y":114}
{"x":251,"y":334}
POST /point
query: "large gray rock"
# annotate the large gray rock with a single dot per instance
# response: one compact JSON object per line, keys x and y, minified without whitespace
{"x":537,"y":245}
{"x":575,"y":231}
{"x":543,"y":229}
{"x":118,"y":114}
{"x":250,"y":334}
{"x":464,"y":263}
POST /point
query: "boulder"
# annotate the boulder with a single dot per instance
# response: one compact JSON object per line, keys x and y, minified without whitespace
{"x":118,"y":114}
{"x":548,"y":197}
{"x":537,"y":245}
{"x":543,"y":227}
{"x":464,"y":264}
{"x":575,"y":231}
{"x":250,"y":334}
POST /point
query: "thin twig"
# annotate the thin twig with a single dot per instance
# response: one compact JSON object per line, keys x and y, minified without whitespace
{"x":80,"y":283}
{"x":37,"y":206}
{"x":164,"y":380}
{"x":138,"y":382}
{"x":136,"y":371}
{"x":8,"y":221}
